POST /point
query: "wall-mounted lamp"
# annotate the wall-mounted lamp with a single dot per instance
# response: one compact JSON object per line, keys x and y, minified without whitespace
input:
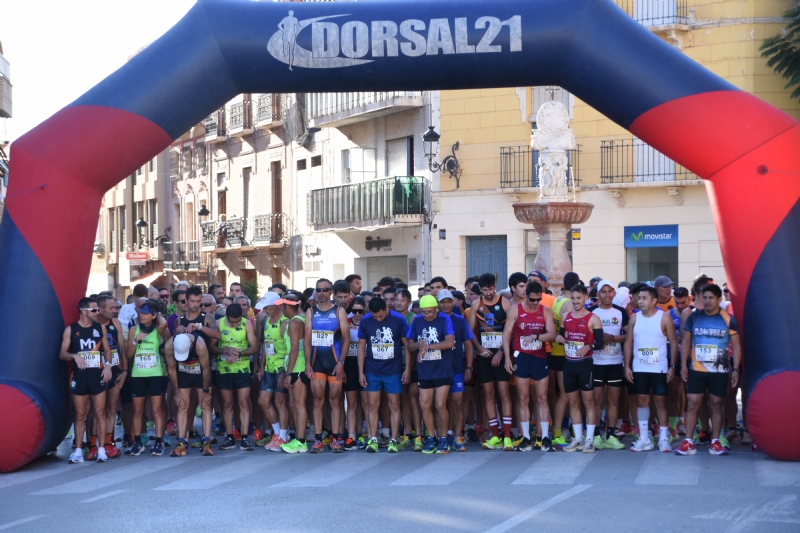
{"x":449,"y":164}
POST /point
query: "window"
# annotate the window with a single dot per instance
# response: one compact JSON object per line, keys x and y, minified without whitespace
{"x":140,"y":170}
{"x":201,"y":156}
{"x":112,"y":231}
{"x":190,"y":221}
{"x":651,"y":251}
{"x":399,"y":159}
{"x":187,"y":159}
{"x":362,"y":164}
{"x":174,"y":162}
{"x":220,"y":179}
{"x":301,"y":164}
{"x":316,"y":161}
{"x":134,"y":178}
{"x":345,"y":167}
{"x":153,"y":218}
{"x":151,"y":165}
{"x":123,"y":230}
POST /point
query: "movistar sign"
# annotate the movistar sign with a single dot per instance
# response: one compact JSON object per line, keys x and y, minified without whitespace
{"x":651,"y":236}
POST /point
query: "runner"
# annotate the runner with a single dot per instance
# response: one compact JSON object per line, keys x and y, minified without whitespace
{"x":85,"y":342}
{"x":431,"y":335}
{"x":189,"y":367}
{"x":539,"y":277}
{"x":354,"y":280}
{"x":529,"y":325}
{"x":651,"y":330}
{"x":148,"y":373}
{"x":706,"y":366}
{"x":487,"y":317}
{"x":382,"y":347}
{"x":664,"y":287}
{"x":298,"y":368}
{"x":581,"y":334}
{"x":675,"y":391}
{"x":608,"y":369}
{"x":271,"y":367}
{"x":356,"y":397}
{"x":328,"y":334}
{"x":107,"y":307}
{"x":236,"y":344}
{"x":557,"y":397}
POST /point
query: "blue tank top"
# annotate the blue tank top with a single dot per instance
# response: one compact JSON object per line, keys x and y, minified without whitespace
{"x":326,"y":337}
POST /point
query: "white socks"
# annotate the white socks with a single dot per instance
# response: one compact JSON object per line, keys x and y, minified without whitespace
{"x":578,"y":429}
{"x":589,"y":432}
{"x":663,"y":433}
{"x":545,"y":427}
{"x":526,"y":430}
{"x":284,"y":434}
{"x":644,"y":419}
{"x":276,"y":428}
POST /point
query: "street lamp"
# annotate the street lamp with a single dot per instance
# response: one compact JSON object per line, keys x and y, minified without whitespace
{"x":142,"y":225}
{"x":449,"y":164}
{"x":204,"y":212}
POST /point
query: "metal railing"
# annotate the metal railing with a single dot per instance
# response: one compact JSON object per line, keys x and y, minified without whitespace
{"x":374,"y":201}
{"x":258,"y":230}
{"x":194,"y":254}
{"x":215,"y":124}
{"x":209,"y":230}
{"x":321,"y":104}
{"x":268,"y":108}
{"x":169,"y":254}
{"x":519,"y":166}
{"x":241,"y":116}
{"x":636,"y":161}
{"x":656,"y":12}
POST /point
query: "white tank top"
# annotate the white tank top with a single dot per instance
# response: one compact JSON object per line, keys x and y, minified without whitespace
{"x":649,"y":344}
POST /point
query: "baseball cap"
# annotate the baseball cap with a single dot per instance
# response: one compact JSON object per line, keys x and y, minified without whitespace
{"x":182,"y":344}
{"x":538,"y":274}
{"x":604,"y":283}
{"x":269,"y":298}
{"x":428,"y":301}
{"x":444,"y":293}
{"x":475,"y":289}
{"x":662,"y":281}
{"x":145,"y":308}
{"x":287,"y":302}
{"x":623,"y":297}
{"x":595,"y":280}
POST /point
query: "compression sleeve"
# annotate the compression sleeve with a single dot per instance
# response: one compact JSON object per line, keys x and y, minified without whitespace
{"x":598,"y":339}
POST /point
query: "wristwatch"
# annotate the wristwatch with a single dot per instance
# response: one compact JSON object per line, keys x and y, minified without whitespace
{"x":736,"y":369}
{"x":673,"y":367}
{"x":207,"y":390}
{"x":468,"y":368}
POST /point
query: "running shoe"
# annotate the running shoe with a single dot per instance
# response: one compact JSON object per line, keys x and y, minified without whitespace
{"x":326,"y":439}
{"x":263,"y":440}
{"x":613,"y":443}
{"x":76,"y":457}
{"x":245,"y":445}
{"x":92,"y":455}
{"x":178,"y":451}
{"x":715,"y":448}
{"x":430,"y":446}
{"x":495,"y":443}
{"x":101,"y":455}
{"x":257,"y":436}
{"x":508,"y":446}
{"x":350,"y":444}
{"x":207,"y":450}
{"x":686,"y":448}
{"x":537,"y":444}
{"x":157,"y":449}
{"x":295,"y":446}
{"x":166,"y":440}
{"x":746,"y":438}
{"x":136,"y":449}
{"x":524,"y":445}
{"x":626,"y":429}
{"x":723,"y":440}
{"x":597,"y":443}
{"x":392,"y":447}
{"x":171,"y":428}
{"x":642,"y":445}
{"x":547,"y":445}
{"x":681,"y":427}
{"x":704,"y":437}
{"x":619,"y":434}
{"x":228,"y":444}
{"x":444,"y":447}
{"x":404,"y":443}
{"x":112,"y":451}
{"x":515,"y":441}
{"x":362,"y":442}
{"x":193,"y":434}
{"x":560,"y":442}
{"x":317,"y":447}
{"x":588,"y":446}
{"x":335,"y":446}
{"x":383,"y":441}
{"x":472,"y":435}
{"x":372,"y":445}
{"x":458,"y":444}
{"x":146,"y":441}
{"x":418,"y":446}
{"x":272,"y":445}
{"x":663,"y":446}
{"x":237,"y":435}
{"x":575,"y":446}
{"x":733,"y":436}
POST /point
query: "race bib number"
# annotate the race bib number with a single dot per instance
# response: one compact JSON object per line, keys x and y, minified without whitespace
{"x":610,"y":349}
{"x":706,"y":353}
{"x":353,"y":351}
{"x":492,"y":340}
{"x":92,"y":359}
{"x":214,"y":365}
{"x":145,"y":360}
{"x":571,"y":348}
{"x":269,"y":347}
{"x":321,"y":338}
{"x":114,"y":358}
{"x":432,"y":355}
{"x":383,"y":352}
{"x":647,"y":356}
{"x":529,"y":345}
{"x":189,"y":369}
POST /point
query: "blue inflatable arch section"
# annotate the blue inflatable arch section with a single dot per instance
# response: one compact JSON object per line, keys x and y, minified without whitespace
{"x":61,"y":168}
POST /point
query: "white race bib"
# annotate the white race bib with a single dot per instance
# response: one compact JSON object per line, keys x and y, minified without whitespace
{"x":529,"y":345}
{"x":321,"y":338}
{"x":269,"y":347}
{"x":706,"y":353}
{"x":492,"y":340}
{"x":214,"y":364}
{"x":92,"y":359}
{"x":145,"y":360}
{"x":383,"y":352}
{"x":353,"y":351}
{"x":571,"y":348}
{"x":647,"y":356}
{"x":114,"y":358}
{"x":432,"y":355}
{"x":190,"y":369}
{"x":610,"y":349}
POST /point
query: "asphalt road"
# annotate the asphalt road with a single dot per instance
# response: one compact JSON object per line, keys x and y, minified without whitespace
{"x":475,"y":491}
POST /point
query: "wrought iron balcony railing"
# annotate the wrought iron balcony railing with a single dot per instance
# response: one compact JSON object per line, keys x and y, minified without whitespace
{"x":268,"y":110}
{"x":656,"y":12}
{"x":215,"y":126}
{"x":636,"y":161}
{"x":519,"y":167}
{"x":258,"y":230}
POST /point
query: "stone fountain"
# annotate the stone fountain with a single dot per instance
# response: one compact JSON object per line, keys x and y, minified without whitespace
{"x":554,"y":214}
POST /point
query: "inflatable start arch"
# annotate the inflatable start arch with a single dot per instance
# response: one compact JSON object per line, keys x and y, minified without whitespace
{"x":745,"y":149}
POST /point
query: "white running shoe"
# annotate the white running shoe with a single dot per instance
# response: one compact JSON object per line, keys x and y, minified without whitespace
{"x":642,"y":445}
{"x":574,"y":446}
{"x":101,"y":455}
{"x":663,"y":446}
{"x":77,"y":456}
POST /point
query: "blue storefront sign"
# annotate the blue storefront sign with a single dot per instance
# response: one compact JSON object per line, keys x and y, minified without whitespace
{"x":651,"y":236}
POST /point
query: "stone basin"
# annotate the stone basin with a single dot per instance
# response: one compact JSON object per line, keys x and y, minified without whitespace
{"x":552,"y":212}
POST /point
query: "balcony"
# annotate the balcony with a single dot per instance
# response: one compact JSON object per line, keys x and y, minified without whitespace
{"x":194,"y":254}
{"x":5,"y":89}
{"x":215,"y":127}
{"x":667,"y":18}
{"x":339,"y":109}
{"x":519,"y":167}
{"x":241,"y":119}
{"x":268,"y":113}
{"x":636,"y":161}
{"x":271,"y":230}
{"x":390,"y":201}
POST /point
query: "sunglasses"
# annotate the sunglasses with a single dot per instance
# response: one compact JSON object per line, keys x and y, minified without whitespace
{"x":90,"y":309}
{"x":534,"y":300}
{"x":181,"y":301}
{"x":206,"y":305}
{"x":325,"y":290}
{"x":164,"y":296}
{"x":357,"y":311}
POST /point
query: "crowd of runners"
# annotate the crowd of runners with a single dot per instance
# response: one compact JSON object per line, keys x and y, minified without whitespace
{"x":340,"y":368}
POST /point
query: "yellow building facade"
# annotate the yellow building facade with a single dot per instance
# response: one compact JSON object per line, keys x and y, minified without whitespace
{"x":474,"y":229}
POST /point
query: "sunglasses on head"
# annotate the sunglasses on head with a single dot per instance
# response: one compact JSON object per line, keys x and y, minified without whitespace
{"x":206,"y":305}
{"x":357,"y":311}
{"x":681,"y":293}
{"x":90,"y":309}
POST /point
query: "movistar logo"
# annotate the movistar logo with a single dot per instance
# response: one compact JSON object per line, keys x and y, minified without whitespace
{"x":636,"y":236}
{"x":334,"y":47}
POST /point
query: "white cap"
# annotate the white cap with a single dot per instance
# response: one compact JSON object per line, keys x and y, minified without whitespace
{"x":182,"y":344}
{"x":623,"y":297}
{"x":269,"y":298}
{"x":444,"y":293}
{"x":604,"y":283}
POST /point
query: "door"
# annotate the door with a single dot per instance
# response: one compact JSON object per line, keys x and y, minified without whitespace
{"x":488,"y":254}
{"x":377,"y":267}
